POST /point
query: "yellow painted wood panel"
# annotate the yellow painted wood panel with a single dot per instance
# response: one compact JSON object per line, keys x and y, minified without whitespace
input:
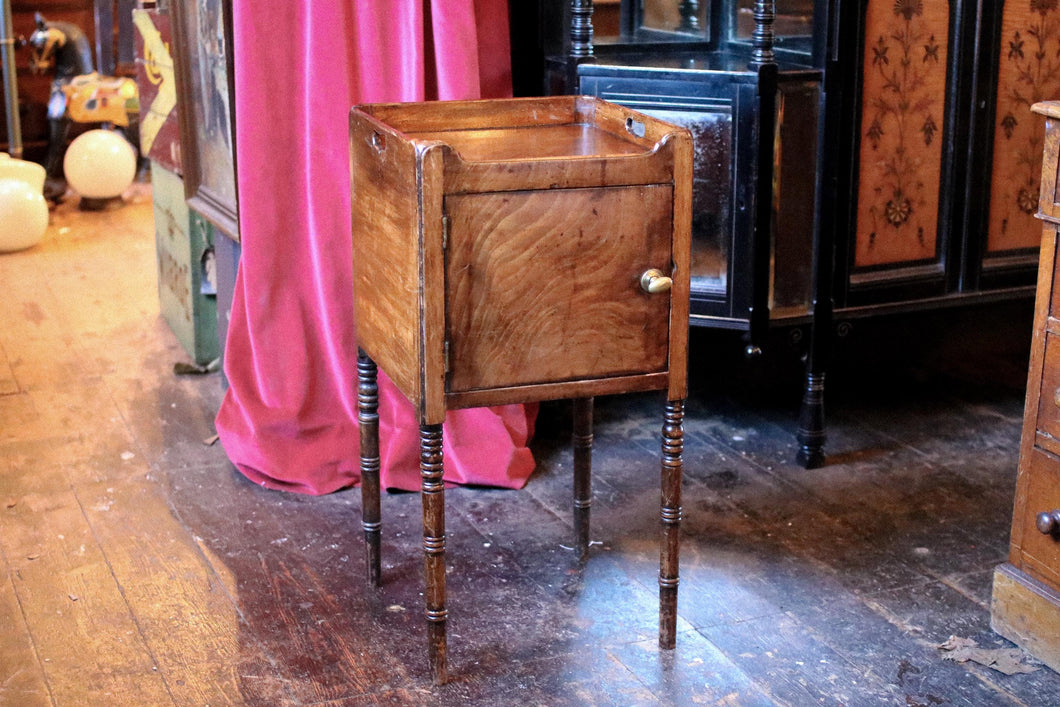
{"x":903,"y":109}
{"x":1028,"y":72}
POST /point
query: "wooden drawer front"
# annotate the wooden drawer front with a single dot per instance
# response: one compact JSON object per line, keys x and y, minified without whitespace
{"x":1049,"y":400}
{"x":1041,"y":552}
{"x":544,"y":286}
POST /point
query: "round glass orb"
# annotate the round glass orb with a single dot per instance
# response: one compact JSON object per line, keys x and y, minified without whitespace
{"x":100,"y":164}
{"x":23,"y":215}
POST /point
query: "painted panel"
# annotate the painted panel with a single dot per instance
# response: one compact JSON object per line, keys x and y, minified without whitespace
{"x":1028,"y":72}
{"x":183,"y":245}
{"x":903,"y":109}
{"x":159,"y":128}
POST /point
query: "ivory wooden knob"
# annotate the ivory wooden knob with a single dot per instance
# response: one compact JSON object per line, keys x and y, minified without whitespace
{"x":654,"y":281}
{"x":1048,"y":522}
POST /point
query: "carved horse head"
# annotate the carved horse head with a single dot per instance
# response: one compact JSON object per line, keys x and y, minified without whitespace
{"x":61,"y":46}
{"x":45,"y":43}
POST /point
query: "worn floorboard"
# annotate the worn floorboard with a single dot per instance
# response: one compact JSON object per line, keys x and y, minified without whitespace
{"x":138,"y":567}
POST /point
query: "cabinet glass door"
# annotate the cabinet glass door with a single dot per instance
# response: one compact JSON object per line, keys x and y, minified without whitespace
{"x":794,"y":19}
{"x":683,"y":16}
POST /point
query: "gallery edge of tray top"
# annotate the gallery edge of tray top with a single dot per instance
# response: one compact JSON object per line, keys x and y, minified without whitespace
{"x":567,"y":140}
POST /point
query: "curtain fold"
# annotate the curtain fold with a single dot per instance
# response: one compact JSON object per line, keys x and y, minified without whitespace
{"x":288,"y":419}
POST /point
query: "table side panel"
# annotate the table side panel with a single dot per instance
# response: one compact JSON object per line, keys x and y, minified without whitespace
{"x":558,"y":142}
{"x":681,"y":147}
{"x":386,"y":269}
{"x":544,"y":286}
{"x":586,"y":388}
{"x":622,"y":121}
{"x":473,"y":115}
{"x":572,"y":173}
{"x":1048,"y":199}
{"x":1049,"y":393}
{"x":432,"y":289}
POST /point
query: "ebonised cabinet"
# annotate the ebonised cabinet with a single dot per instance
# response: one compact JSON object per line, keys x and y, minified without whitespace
{"x":852,"y":158}
{"x":938,"y":173}
{"x":749,"y":254}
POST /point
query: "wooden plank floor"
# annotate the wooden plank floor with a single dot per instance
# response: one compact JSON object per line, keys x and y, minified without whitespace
{"x":140,"y":569}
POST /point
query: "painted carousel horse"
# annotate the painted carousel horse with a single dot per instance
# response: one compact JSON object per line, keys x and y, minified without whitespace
{"x":79,"y":95}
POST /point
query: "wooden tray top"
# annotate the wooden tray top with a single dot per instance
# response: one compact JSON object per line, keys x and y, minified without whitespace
{"x":543,"y":142}
{"x":563,"y":127}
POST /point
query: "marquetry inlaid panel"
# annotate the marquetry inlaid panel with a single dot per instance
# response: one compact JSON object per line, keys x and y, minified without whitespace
{"x":902,"y":116}
{"x":1028,"y":72}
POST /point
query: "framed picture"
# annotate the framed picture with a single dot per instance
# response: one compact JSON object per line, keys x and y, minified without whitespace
{"x":202,"y":58}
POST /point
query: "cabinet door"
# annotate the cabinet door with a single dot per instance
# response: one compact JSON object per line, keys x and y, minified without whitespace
{"x":1028,"y":71}
{"x":903,"y":114}
{"x":544,"y":286}
{"x":947,"y":156}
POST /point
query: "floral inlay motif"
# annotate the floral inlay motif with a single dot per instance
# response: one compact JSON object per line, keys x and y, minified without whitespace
{"x":1043,"y":7}
{"x":902,"y":113}
{"x":908,"y":8}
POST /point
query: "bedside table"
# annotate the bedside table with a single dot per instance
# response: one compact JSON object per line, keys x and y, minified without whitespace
{"x":511,"y":251}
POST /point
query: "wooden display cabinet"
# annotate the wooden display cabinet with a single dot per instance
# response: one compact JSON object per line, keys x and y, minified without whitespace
{"x":514,"y":251}
{"x":1026,"y":599}
{"x":852,"y":159}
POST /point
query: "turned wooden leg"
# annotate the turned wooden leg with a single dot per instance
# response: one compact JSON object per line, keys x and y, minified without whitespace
{"x":583,"y":463}
{"x":672,"y":446}
{"x":433,"y":495}
{"x":811,"y":435}
{"x":368,"y":424}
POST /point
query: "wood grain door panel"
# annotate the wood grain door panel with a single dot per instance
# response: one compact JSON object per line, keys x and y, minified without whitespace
{"x":544,"y":286}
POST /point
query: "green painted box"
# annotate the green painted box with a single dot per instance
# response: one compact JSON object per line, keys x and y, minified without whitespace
{"x":186,"y":284}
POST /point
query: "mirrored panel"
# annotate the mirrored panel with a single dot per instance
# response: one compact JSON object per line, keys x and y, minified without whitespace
{"x":794,"y":19}
{"x":711,"y":195}
{"x":795,"y":163}
{"x":679,"y":16}
{"x":651,"y":21}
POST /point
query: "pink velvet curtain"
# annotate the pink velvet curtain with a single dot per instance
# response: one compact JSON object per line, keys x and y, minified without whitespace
{"x":288,"y":420}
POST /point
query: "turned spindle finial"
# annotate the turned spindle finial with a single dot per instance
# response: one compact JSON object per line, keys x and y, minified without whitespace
{"x":762,"y":39}
{"x":689,"y":10}
{"x":581,"y":28}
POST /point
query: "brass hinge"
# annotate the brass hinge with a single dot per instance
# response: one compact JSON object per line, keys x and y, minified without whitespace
{"x":445,"y":231}
{"x":445,"y":356}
